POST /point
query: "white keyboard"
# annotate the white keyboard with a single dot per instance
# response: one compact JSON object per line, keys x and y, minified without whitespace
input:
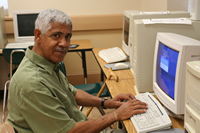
{"x":111,"y":55}
{"x":154,"y":119}
{"x":19,"y":45}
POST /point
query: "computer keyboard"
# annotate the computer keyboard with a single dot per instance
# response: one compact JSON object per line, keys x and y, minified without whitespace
{"x":111,"y":55}
{"x":19,"y":45}
{"x":154,"y":119}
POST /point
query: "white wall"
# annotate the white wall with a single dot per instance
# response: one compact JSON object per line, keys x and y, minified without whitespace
{"x":86,"y":7}
{"x":77,"y":7}
{"x":164,"y":5}
{"x":174,"y":5}
{"x":154,"y":5}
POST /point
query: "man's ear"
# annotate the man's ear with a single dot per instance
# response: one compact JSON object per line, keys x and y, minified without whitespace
{"x":38,"y":35}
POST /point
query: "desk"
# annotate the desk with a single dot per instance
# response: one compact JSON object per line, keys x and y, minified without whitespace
{"x":122,"y":74}
{"x":84,"y":45}
{"x":126,"y":85}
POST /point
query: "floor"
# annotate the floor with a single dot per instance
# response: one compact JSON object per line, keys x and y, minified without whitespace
{"x":7,"y":128}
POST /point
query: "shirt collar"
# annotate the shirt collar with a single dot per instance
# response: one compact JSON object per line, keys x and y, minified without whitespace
{"x":40,"y":61}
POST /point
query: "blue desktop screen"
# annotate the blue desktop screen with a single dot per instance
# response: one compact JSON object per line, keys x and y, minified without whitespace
{"x":166,"y":69}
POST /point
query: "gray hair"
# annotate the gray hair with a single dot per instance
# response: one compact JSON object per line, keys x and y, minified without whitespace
{"x":46,"y":17}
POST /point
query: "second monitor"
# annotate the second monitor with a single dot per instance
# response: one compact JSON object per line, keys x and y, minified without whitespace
{"x":24,"y":25}
{"x":131,"y":15}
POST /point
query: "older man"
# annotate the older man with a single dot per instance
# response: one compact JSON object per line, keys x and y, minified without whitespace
{"x":40,"y":98}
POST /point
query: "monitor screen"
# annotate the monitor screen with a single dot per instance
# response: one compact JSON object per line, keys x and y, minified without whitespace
{"x":126,"y":30}
{"x":26,"y":24}
{"x":166,"y":69}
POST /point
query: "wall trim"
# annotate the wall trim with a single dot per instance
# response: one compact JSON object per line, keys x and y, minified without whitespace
{"x":84,"y":22}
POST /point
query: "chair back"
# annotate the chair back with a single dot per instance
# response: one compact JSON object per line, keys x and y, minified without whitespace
{"x":13,"y":56}
{"x":62,"y":68}
{"x":16,"y":56}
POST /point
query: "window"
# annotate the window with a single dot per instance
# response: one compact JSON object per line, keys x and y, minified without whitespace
{"x":4,"y":3}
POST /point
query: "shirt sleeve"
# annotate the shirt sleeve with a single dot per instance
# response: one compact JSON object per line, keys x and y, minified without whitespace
{"x":45,"y":112}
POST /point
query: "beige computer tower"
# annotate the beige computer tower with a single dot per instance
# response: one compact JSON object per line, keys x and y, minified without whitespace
{"x":2,"y":29}
{"x":143,"y":41}
{"x":192,"y":97}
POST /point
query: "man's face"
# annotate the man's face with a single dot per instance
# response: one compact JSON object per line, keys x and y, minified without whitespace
{"x":54,"y":45}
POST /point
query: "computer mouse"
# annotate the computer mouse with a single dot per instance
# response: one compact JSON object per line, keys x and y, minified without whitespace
{"x":121,"y":65}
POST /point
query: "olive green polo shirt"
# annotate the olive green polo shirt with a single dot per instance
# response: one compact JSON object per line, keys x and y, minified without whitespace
{"x":40,"y":99}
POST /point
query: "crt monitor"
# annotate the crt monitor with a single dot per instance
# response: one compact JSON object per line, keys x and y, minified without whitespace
{"x":3,"y":39}
{"x":131,"y":15}
{"x":125,"y":33}
{"x":172,"y":51}
{"x":24,"y":25}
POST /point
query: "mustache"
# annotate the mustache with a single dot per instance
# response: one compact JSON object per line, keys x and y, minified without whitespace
{"x":61,"y":48}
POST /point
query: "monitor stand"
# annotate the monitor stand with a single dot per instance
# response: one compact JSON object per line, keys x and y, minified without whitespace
{"x":173,"y":115}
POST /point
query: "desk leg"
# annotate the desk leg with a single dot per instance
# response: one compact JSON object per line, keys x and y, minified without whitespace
{"x":102,"y":76}
{"x":84,"y":66}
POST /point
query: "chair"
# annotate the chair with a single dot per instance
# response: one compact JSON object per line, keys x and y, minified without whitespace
{"x":13,"y":56}
{"x":89,"y":88}
{"x":96,"y":89}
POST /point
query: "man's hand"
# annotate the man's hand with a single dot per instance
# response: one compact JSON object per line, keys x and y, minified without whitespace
{"x":118,"y":100}
{"x":122,"y":97}
{"x":130,"y":108}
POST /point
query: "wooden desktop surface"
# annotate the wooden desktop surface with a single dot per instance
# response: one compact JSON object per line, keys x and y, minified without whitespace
{"x":85,"y":45}
{"x":126,"y":85}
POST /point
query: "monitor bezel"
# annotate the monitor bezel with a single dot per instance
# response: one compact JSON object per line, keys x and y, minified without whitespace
{"x":173,"y":105}
{"x":15,"y":25}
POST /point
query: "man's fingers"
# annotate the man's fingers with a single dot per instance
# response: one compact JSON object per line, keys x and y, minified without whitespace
{"x":136,"y":104}
{"x":136,"y":101}
{"x":126,"y":96}
{"x":130,"y":108}
{"x":131,"y":96}
{"x":139,"y":111}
